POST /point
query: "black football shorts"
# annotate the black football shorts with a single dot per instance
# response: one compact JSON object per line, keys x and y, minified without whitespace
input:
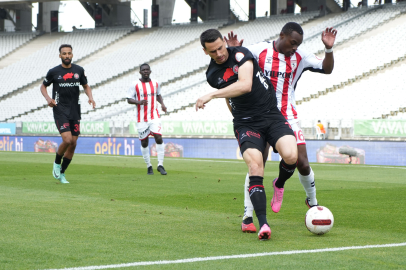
{"x":259,"y":132}
{"x":64,"y":124}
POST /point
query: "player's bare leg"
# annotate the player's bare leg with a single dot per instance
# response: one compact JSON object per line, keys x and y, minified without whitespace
{"x":306,"y":176}
{"x":160,"y":149}
{"x":247,"y":221}
{"x":145,"y":154}
{"x":67,"y":157}
{"x":254,"y":160}
{"x":287,"y":148}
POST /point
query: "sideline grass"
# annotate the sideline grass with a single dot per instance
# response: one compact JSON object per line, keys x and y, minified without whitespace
{"x":112,"y":212}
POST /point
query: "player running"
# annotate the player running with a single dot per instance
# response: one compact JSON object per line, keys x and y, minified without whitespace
{"x":65,"y":103}
{"x":145,"y":93}
{"x":257,"y":120}
{"x":283,"y":62}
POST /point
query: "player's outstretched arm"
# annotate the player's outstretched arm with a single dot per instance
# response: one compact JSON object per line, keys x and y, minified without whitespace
{"x":136,"y":102}
{"x":328,"y":38}
{"x":160,"y":99}
{"x":88,"y":92}
{"x":233,"y":41}
{"x":51,"y":102}
{"x":241,"y":87}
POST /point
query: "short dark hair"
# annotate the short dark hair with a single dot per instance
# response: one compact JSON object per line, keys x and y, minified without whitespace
{"x":65,"y":46}
{"x":292,"y":26}
{"x":209,"y":36}
{"x":145,"y":64}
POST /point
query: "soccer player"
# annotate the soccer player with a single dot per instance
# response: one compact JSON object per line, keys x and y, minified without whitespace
{"x":257,"y":120}
{"x":66,"y":79}
{"x":145,"y":93}
{"x":283,"y":62}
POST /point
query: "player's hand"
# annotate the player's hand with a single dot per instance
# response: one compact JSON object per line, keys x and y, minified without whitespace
{"x":232,"y":40}
{"x":328,"y":37}
{"x":203,"y":100}
{"x":51,"y":103}
{"x":143,"y":102}
{"x":164,"y":108}
{"x":92,"y":102}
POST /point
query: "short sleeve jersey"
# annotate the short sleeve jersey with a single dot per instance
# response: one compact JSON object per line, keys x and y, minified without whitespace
{"x":284,"y":72}
{"x":145,"y":91}
{"x":257,"y":103}
{"x":66,"y":83}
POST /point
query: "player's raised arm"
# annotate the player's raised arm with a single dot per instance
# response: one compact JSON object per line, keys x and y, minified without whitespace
{"x":241,"y":87}
{"x":328,"y":38}
{"x":88,"y":92}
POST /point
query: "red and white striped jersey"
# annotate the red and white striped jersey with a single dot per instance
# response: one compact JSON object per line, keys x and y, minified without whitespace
{"x":284,"y":72}
{"x":148,"y":91}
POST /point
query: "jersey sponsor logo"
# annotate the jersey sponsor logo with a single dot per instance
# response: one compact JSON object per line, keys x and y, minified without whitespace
{"x":284,"y":75}
{"x":239,"y":56}
{"x":235,"y":69}
{"x":68,"y":76}
{"x":262,"y":79}
{"x":228,"y":74}
{"x":69,"y":84}
{"x":76,"y":76}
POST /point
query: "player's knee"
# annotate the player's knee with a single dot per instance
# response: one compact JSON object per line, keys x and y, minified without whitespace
{"x":144,"y":143}
{"x":158,"y":139}
{"x":68,"y":141}
{"x":256,"y":168}
{"x":73,"y":144}
{"x":290,"y":157}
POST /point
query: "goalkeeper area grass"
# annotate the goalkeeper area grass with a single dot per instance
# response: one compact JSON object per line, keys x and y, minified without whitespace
{"x":113,"y":215}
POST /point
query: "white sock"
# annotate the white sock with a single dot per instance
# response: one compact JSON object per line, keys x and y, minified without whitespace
{"x":160,"y":149}
{"x":145,"y":155}
{"x":309,"y":186}
{"x":248,"y":207}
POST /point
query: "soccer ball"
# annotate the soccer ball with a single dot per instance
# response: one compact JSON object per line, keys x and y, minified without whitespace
{"x":319,"y":220}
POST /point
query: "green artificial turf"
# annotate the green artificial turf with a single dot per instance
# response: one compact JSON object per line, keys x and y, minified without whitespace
{"x":112,"y":212}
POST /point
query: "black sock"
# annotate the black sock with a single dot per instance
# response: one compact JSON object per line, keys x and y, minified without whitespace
{"x":65,"y":164}
{"x":258,"y":198}
{"x":285,"y":172}
{"x":58,"y":159}
{"x":248,"y":220}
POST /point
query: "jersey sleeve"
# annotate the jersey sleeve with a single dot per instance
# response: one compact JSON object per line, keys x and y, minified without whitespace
{"x":158,"y":90}
{"x":257,"y":48}
{"x":83,"y":78}
{"x":242,"y":55}
{"x":313,"y":63}
{"x":131,"y":92}
{"x":49,"y":79}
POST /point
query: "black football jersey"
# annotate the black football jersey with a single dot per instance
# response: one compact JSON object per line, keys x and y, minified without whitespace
{"x":66,"y":83}
{"x":257,"y":103}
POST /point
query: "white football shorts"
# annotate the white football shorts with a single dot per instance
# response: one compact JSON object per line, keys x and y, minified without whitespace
{"x":297,"y":130}
{"x":149,"y":128}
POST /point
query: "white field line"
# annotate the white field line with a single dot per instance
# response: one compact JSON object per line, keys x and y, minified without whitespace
{"x":225,"y":161}
{"x":241,"y":256}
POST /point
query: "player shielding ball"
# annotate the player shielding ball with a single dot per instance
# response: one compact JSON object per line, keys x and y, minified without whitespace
{"x":65,"y":103}
{"x":283,"y":62}
{"x":145,"y":93}
{"x":257,"y":120}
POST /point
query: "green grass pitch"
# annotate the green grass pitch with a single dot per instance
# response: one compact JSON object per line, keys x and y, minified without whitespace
{"x":112,"y":212}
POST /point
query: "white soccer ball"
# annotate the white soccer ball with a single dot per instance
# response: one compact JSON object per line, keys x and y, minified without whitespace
{"x":319,"y":220}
